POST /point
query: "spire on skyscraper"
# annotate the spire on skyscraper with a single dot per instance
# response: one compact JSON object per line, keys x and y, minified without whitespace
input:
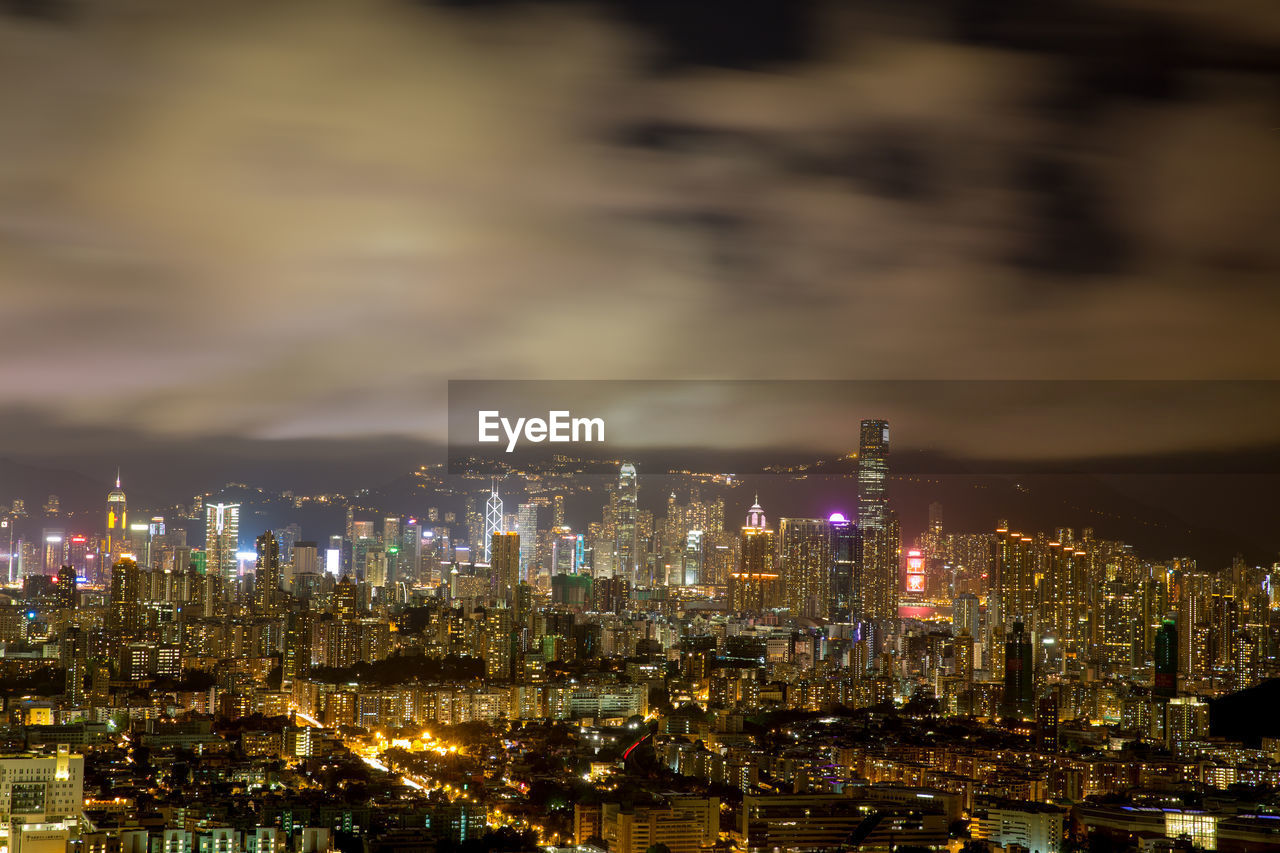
{"x":493,"y":520}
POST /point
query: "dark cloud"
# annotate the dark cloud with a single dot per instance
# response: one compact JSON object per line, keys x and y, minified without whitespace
{"x":298,"y":219}
{"x":1070,"y":231}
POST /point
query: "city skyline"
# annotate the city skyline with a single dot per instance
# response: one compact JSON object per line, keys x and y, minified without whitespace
{"x":639,"y":426}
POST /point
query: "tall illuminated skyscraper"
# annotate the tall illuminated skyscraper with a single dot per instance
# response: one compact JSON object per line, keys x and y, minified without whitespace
{"x":124,"y":618}
{"x":222,"y":542}
{"x":626,"y":542}
{"x":504,"y":549}
{"x":881,"y":552}
{"x":527,"y":527}
{"x":873,"y":475}
{"x":805,"y":566}
{"x":492,"y":521}
{"x":881,"y":542}
{"x":1166,"y":660}
{"x":266,"y":582}
{"x":1019,"y":678}
{"x":1015,"y":576}
{"x":846,"y":555}
{"x":753,"y":587}
{"x":117,"y":521}
{"x":66,"y":587}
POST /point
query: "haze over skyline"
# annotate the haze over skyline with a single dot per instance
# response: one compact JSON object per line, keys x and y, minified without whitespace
{"x":299,"y":221}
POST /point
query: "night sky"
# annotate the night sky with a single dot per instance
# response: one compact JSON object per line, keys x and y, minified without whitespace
{"x":245,"y":221}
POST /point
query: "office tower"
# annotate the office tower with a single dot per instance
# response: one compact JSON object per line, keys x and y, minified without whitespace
{"x":288,"y":536}
{"x":690,"y":566}
{"x":719,"y":557}
{"x":140,"y":543}
{"x":805,"y":565}
{"x":1019,"y":678}
{"x":846,"y":552}
{"x":626,"y":539}
{"x":1166,"y":659}
{"x":54,"y":551}
{"x":125,"y":614}
{"x":117,"y":521}
{"x":492,"y":521}
{"x":67,"y":587}
{"x":873,"y":475}
{"x":78,"y":554}
{"x":333,"y":556}
{"x":753,"y":587}
{"x":409,"y":560}
{"x":376,"y":565}
{"x":504,"y":549}
{"x":306,"y":560}
{"x":221,"y":544}
{"x":361,"y":545}
{"x":527,"y":527}
{"x":391,"y":530}
{"x":567,"y":550}
{"x":267,"y":577}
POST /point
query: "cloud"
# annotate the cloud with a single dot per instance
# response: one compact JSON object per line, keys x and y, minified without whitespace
{"x":300,"y":219}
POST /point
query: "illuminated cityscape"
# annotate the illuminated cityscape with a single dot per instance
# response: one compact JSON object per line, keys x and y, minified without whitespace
{"x":632,"y":678}
{"x":639,"y":426}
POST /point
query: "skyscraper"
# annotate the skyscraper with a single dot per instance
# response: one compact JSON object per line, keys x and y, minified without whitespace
{"x":846,"y":551}
{"x":753,"y":587}
{"x":125,"y":613}
{"x":67,"y":587}
{"x":1019,"y":680}
{"x":881,"y":550}
{"x":266,"y":582}
{"x":1166,"y":658}
{"x":626,"y":550}
{"x":964,"y":658}
{"x":221,"y":543}
{"x":881,"y":539}
{"x":873,"y":475}
{"x":492,"y":520}
{"x":805,"y":565}
{"x":504,"y":549}
{"x":117,"y":521}
{"x":527,"y":527}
